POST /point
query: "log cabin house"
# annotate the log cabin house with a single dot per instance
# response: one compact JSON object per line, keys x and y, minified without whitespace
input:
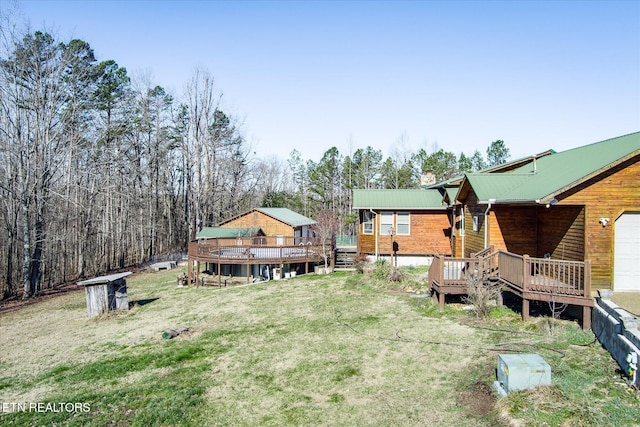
{"x":553,"y":227}
{"x":576,"y":205}
{"x":415,"y":219}
{"x":277,"y":241}
{"x":559,"y":226}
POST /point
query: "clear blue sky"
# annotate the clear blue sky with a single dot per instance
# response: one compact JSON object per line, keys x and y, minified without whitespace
{"x":312,"y":75}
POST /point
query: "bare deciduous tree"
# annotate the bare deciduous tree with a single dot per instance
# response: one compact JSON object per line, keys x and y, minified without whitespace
{"x":326,"y":227}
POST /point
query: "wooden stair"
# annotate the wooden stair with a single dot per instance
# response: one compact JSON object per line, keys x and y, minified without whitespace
{"x":344,"y":258}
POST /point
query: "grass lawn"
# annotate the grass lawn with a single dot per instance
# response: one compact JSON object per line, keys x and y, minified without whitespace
{"x":338,"y":350}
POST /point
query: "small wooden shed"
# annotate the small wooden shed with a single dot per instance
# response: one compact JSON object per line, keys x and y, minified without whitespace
{"x":106,"y":293}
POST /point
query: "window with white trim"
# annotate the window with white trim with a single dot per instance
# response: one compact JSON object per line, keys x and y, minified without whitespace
{"x":403,"y":222}
{"x":386,"y":223}
{"x":367,"y":222}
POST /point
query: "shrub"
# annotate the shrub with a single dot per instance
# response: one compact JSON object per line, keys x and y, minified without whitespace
{"x":359,"y":262}
{"x":395,"y":275}
{"x":381,"y":269}
{"x":482,"y":294}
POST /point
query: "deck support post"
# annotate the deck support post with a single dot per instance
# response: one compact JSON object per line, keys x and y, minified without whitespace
{"x":586,"y":318}
{"x":525,"y":309}
{"x":441,"y":301}
{"x":197,"y":273}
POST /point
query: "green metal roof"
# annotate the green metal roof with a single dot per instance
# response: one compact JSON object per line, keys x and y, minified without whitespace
{"x":553,"y":174}
{"x":287,"y":216}
{"x":220,"y":232}
{"x":451,"y":193}
{"x":284,"y":215}
{"x":502,"y":187}
{"x":398,"y":199}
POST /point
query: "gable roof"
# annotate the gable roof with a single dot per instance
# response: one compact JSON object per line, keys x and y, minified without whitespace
{"x":541,"y":180}
{"x":287,"y":216}
{"x":284,"y":215}
{"x":414,"y":199}
{"x":449,"y":187}
{"x":449,"y":195}
{"x":219,"y":232}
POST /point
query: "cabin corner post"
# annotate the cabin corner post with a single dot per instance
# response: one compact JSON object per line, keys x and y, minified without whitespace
{"x":587,"y":278}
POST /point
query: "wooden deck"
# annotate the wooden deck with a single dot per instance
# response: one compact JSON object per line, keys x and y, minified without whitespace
{"x":258,"y":250}
{"x":532,"y":279}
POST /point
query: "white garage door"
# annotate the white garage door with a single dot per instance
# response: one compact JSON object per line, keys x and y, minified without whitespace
{"x":626,"y":276}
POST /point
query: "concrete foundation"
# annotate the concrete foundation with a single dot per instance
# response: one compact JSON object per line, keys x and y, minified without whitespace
{"x":404,"y":260}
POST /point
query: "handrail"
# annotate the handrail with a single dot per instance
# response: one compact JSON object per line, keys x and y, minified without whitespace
{"x":510,"y":268}
{"x":435,"y":272}
{"x":486,"y":251}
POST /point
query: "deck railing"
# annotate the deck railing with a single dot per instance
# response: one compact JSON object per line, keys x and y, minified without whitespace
{"x":546,"y":275}
{"x":346,"y":240}
{"x":533,"y":279}
{"x":520,"y":272}
{"x":435,"y":273}
{"x":483,"y":253}
{"x":510,"y":268}
{"x":257,"y":250}
{"x":458,"y":271}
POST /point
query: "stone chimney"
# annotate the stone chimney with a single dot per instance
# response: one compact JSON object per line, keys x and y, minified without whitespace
{"x":426,"y":179}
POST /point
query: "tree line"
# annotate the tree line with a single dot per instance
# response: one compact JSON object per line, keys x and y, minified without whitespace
{"x":101,"y":171}
{"x":327,"y":184}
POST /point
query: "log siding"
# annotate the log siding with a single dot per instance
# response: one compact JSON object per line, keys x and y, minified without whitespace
{"x":608,"y":195}
{"x":567,"y":230}
{"x":270,"y":225}
{"x":429,"y":234}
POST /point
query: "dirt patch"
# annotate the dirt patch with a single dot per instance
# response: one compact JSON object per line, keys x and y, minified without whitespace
{"x":479,"y":398}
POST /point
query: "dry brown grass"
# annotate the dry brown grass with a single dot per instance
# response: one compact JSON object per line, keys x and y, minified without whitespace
{"x":316,"y":350}
{"x":320,"y":351}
